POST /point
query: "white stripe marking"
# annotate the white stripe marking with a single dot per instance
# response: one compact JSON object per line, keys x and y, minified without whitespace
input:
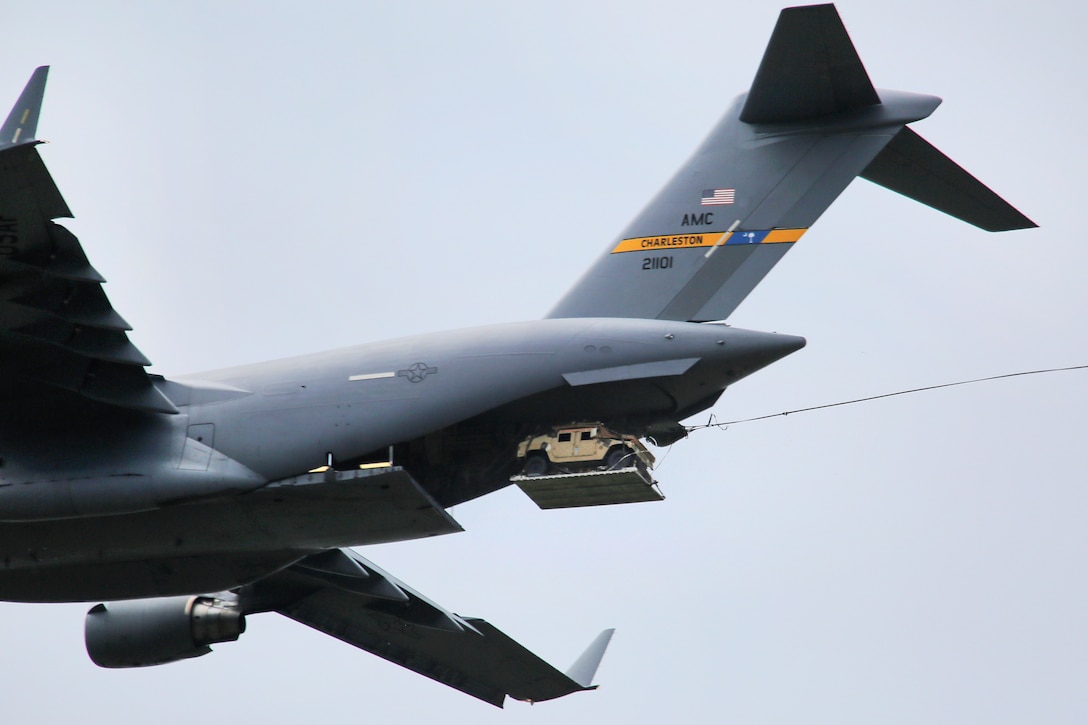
{"x":372,"y":376}
{"x":720,"y":242}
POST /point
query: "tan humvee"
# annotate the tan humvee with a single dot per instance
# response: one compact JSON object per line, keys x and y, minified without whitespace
{"x":582,"y":447}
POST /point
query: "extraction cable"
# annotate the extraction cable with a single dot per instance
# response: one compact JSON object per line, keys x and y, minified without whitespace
{"x":722,"y":426}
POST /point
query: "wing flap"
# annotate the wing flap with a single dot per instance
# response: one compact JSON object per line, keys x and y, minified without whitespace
{"x":26,"y":183}
{"x":107,"y":345}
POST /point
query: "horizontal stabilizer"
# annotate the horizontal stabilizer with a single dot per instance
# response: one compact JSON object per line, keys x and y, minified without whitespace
{"x":913,"y":167}
{"x":810,"y":69}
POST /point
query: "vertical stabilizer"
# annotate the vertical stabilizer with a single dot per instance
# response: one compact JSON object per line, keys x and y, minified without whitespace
{"x":810,"y":124}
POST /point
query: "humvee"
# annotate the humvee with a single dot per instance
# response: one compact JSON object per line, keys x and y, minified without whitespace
{"x":580,"y":448}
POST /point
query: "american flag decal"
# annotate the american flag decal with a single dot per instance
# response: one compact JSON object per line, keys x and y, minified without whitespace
{"x":714,"y":197}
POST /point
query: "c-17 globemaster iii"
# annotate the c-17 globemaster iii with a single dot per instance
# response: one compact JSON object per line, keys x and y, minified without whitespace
{"x":188,"y":503}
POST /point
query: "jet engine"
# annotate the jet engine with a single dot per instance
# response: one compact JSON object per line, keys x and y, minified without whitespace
{"x":156,"y":631}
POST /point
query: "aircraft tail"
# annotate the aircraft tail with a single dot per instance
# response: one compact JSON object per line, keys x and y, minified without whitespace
{"x":811,"y":122}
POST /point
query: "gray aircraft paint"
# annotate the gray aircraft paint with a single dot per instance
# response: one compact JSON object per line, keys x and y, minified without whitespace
{"x":783,"y":152}
{"x":126,"y":446}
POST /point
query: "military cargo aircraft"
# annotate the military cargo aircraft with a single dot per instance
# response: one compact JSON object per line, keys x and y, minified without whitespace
{"x":188,"y":503}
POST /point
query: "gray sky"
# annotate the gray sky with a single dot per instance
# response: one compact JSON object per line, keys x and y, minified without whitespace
{"x":263,"y":179}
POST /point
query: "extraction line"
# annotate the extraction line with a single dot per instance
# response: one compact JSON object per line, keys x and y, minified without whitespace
{"x":723,"y":426}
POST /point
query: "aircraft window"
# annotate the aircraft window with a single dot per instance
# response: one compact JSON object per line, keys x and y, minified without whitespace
{"x":586,"y":435}
{"x":564,"y":437}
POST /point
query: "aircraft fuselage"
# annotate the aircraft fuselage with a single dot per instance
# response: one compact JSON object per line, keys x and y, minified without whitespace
{"x":188,"y":502}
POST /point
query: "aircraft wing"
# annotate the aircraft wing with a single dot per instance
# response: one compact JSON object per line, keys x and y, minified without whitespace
{"x":342,"y":594}
{"x":58,"y":330}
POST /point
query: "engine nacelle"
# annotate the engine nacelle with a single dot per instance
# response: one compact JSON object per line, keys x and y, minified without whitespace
{"x":156,"y":631}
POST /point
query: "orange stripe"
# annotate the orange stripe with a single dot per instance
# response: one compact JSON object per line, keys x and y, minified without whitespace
{"x":671,"y":241}
{"x":693,"y":241}
{"x":777,"y":236}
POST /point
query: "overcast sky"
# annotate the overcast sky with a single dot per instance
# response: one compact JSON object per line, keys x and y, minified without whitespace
{"x":265,"y":179}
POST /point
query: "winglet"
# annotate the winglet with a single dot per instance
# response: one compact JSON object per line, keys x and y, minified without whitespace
{"x":585,"y":667}
{"x":22,"y":123}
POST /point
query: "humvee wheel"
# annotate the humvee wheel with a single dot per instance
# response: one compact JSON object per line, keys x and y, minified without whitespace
{"x":618,"y":457}
{"x":536,"y":464}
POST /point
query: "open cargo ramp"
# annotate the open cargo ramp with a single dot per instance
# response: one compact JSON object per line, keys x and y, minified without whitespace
{"x":592,"y":488}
